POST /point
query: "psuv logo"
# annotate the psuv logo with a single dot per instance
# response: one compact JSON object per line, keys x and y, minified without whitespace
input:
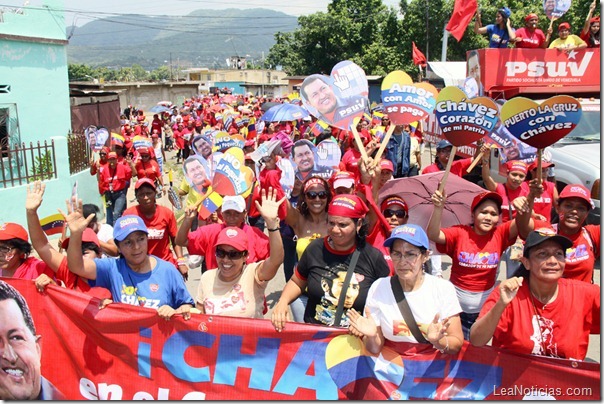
{"x":541,"y":68}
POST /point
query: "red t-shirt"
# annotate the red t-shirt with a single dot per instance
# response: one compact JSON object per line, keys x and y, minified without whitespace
{"x":31,"y":268}
{"x":474,"y":257}
{"x":272,"y":178}
{"x":203,"y":242}
{"x":458,"y":167}
{"x":118,"y":177}
{"x":528,"y":39}
{"x":376,"y":238}
{"x":522,"y":190}
{"x":581,"y":258}
{"x":543,"y":204}
{"x":350,"y":162}
{"x":564,"y":324}
{"x":73,"y":281}
{"x":149,"y":169}
{"x":161,"y":227}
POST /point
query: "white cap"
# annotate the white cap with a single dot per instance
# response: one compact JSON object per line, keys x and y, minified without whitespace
{"x":236,"y":203}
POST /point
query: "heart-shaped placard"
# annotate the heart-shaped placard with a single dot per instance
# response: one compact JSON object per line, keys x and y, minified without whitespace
{"x":232,"y":176}
{"x":541,"y":125}
{"x":405,"y":101}
{"x":464,"y":120}
{"x":97,"y":137}
{"x":224,"y":141}
{"x":339,"y":98}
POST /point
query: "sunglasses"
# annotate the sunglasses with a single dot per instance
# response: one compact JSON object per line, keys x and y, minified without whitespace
{"x":234,"y":255}
{"x":400,"y":214}
{"x":313,"y":195}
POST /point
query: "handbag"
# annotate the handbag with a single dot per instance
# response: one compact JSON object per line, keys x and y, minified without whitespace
{"x":405,"y":310}
{"x":342,"y":299}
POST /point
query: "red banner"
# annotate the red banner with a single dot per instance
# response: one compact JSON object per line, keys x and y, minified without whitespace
{"x":517,"y":67}
{"x":126,"y":352}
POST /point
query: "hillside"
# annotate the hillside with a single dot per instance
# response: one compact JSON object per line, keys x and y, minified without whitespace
{"x":203,"y":38}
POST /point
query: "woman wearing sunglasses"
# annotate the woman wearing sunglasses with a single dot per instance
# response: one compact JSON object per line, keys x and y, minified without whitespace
{"x":324,"y":266}
{"x":235,"y":289}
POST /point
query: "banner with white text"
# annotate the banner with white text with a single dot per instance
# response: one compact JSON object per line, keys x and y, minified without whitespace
{"x":128,"y":353}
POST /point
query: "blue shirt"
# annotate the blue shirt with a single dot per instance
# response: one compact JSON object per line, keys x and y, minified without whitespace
{"x":162,"y":285}
{"x":498,"y":38}
{"x":398,"y":151}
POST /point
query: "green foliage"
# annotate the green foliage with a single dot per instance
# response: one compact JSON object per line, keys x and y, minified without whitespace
{"x":42,"y":168}
{"x":379,"y":40}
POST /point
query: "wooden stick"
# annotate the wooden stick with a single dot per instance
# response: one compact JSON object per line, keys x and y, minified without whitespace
{"x":539,"y":173}
{"x":551,"y":23}
{"x":476,"y":160}
{"x":359,"y":142}
{"x":447,"y":169}
{"x":384,"y":143}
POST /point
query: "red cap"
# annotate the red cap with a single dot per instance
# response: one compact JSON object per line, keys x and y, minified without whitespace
{"x":112,"y":155}
{"x":9,"y":231}
{"x":343,"y":179}
{"x":564,"y":25}
{"x":594,"y":19}
{"x":576,"y":191}
{"x":89,"y":236}
{"x":517,"y":165}
{"x":386,"y":164}
{"x":544,"y":164}
{"x":143,"y":150}
{"x":346,"y":205}
{"x":480,"y":198}
{"x":234,"y":237}
{"x":144,"y":181}
{"x":394,"y":200}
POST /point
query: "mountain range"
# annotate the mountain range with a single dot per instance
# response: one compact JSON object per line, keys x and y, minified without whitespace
{"x":203,"y":38}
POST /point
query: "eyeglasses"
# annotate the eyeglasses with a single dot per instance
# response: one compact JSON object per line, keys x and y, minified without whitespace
{"x":5,"y":249}
{"x":400,"y":214}
{"x":313,"y":195}
{"x":233,"y":255}
{"x":408,"y":256}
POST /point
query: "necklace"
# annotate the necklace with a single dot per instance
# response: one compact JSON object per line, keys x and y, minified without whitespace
{"x":539,"y":321}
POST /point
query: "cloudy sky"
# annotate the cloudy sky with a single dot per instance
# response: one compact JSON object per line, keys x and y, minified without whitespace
{"x":81,"y":11}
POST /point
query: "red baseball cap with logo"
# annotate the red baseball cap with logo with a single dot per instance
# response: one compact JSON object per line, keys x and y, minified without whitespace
{"x":480,"y":198}
{"x":9,"y":231}
{"x":144,"y":181}
{"x":234,"y":237}
{"x":343,"y":179}
{"x":386,"y":164}
{"x":576,"y":191}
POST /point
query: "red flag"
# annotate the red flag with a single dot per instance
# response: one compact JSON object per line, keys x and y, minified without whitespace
{"x":418,"y":57}
{"x":463,"y":12}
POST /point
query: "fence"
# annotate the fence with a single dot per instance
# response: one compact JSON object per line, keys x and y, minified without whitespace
{"x":22,"y":164}
{"x":79,"y":152}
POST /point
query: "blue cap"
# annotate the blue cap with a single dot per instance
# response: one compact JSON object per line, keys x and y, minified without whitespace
{"x":505,"y":11}
{"x":126,"y":225}
{"x":411,"y":233}
{"x":443,"y":144}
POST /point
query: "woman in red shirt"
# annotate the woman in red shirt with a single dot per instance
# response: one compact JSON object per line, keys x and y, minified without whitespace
{"x":113,"y":185}
{"x":146,"y":167}
{"x":538,"y":312}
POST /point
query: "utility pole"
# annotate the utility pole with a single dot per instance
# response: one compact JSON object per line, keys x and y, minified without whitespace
{"x":170,"y":66}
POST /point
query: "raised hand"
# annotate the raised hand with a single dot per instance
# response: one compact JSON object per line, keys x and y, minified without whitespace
{"x":269,"y":209}
{"x":74,"y":218}
{"x":437,"y":329}
{"x":509,"y":288}
{"x":35,"y":194}
{"x":439,"y":199}
{"x":361,"y":326}
{"x":341,"y":81}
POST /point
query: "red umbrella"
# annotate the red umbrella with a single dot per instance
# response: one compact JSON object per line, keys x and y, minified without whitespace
{"x":229,"y":98}
{"x":417,"y":192}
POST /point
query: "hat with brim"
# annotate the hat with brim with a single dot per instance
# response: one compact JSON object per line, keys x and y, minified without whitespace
{"x":542,"y":235}
{"x":9,"y":231}
{"x":89,"y":236}
{"x":411,"y":233}
{"x":126,"y":225}
{"x":234,"y":237}
{"x":480,"y":198}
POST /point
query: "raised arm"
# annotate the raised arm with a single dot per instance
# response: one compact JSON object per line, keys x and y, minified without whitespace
{"x":182,"y":238}
{"x":35,"y":194}
{"x":478,"y":28}
{"x":489,"y":182}
{"x":269,"y":210}
{"x":435,"y":234}
{"x":585,"y":29}
{"x":483,"y":329}
{"x":84,"y":267}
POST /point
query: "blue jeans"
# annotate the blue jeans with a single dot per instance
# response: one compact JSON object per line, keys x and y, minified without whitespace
{"x":115,"y":203}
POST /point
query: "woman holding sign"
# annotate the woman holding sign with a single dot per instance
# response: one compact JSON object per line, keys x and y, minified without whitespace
{"x":475,"y":249}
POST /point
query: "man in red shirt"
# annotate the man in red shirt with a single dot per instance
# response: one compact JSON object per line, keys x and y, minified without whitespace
{"x":530,"y":36}
{"x":161,"y":225}
{"x":113,"y":183}
{"x":443,"y":153}
{"x":203,"y":240}
{"x":146,"y":167}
